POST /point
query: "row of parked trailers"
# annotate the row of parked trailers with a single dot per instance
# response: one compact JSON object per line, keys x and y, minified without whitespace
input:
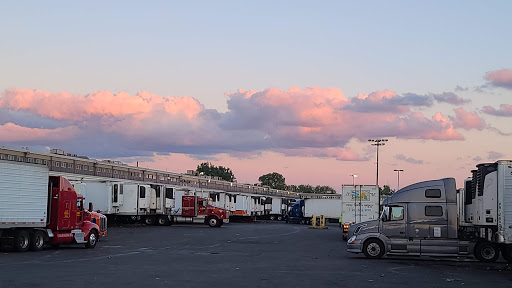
{"x":165,"y":204}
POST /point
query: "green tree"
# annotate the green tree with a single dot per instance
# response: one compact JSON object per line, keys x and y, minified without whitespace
{"x":273,"y":180}
{"x":207,"y":168}
{"x":292,"y":188}
{"x":324,"y":190}
{"x":305,"y":189}
{"x":386,"y":190}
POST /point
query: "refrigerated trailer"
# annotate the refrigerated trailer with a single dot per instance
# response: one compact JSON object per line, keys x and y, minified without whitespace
{"x":275,"y":208}
{"x":360,"y":203}
{"x":129,"y":200}
{"x":36,"y":209}
{"x":426,"y":219}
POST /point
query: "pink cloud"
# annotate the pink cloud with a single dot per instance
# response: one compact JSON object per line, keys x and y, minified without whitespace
{"x":10,"y":132}
{"x":65,"y":106}
{"x":467,"y":120}
{"x":500,"y":78}
{"x":505,"y":110}
{"x":267,"y":120}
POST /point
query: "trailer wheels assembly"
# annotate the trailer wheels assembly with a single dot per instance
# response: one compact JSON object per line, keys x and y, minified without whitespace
{"x":150,"y":220}
{"x":92,"y":239}
{"x":487,"y":252}
{"x":163,"y":220}
{"x":373,"y":249}
{"x":37,"y":241}
{"x":21,"y":240}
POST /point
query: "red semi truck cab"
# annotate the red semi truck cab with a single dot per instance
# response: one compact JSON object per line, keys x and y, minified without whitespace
{"x":69,"y":221}
{"x":194,"y":206}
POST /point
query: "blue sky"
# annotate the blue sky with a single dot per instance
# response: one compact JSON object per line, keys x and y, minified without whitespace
{"x":206,"y":48}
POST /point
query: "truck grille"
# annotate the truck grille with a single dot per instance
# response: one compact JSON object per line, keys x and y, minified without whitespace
{"x":103,"y":223}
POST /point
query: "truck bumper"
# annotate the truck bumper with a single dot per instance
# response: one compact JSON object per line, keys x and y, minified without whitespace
{"x":355,"y":247}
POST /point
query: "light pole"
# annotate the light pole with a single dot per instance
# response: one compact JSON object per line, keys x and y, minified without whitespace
{"x":354,"y":176}
{"x":398,"y":172}
{"x":378,"y":142}
{"x":353,"y":179}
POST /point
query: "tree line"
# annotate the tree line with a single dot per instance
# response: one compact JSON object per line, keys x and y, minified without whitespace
{"x":273,"y":180}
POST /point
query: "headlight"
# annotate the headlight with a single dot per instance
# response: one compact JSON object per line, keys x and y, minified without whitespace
{"x":352,"y":239}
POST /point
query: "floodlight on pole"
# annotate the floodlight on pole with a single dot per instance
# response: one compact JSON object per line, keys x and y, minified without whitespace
{"x":398,"y":172}
{"x":353,"y":178}
{"x":378,"y":143}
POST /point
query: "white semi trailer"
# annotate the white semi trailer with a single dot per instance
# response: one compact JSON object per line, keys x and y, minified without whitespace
{"x":129,"y":200}
{"x":360,"y":203}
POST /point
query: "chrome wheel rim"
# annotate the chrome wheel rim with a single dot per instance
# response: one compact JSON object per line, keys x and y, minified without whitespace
{"x":39,"y":241}
{"x":488,"y":252}
{"x":23,"y":242}
{"x":373,"y":249}
{"x":92,"y":239}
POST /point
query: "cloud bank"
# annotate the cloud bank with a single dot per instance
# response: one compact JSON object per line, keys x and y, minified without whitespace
{"x":314,"y":122}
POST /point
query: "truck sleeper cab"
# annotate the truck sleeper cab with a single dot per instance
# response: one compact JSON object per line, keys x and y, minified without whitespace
{"x":422,"y":219}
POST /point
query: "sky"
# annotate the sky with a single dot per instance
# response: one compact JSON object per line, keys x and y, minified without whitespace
{"x":294,"y":87}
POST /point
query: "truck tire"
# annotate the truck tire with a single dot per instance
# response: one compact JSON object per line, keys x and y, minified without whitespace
{"x":373,"y":249}
{"x":272,"y":217}
{"x":37,"y":240}
{"x":163,"y":220}
{"x":150,"y":220}
{"x":213,"y":221}
{"x":221,"y":222}
{"x":21,"y":240}
{"x":487,"y":252}
{"x":506,"y":252}
{"x":279,"y":218}
{"x":92,"y":239}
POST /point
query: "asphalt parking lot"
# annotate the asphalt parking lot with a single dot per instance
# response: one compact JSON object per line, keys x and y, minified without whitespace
{"x":235,"y":255}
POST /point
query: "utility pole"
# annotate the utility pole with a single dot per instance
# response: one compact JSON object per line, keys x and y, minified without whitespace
{"x":398,"y":172}
{"x":354,"y":176}
{"x":378,"y":143}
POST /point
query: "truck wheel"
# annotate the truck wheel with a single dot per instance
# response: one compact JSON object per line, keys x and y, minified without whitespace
{"x":150,"y":220}
{"x":487,"y":252}
{"x":163,"y":220}
{"x":213,"y":222}
{"x":373,"y":249}
{"x":21,"y":241}
{"x":506,"y":252}
{"x":279,"y":218}
{"x":272,"y":217}
{"x":37,"y":241}
{"x":92,"y":239}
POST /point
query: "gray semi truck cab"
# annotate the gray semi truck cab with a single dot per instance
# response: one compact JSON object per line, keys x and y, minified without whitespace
{"x":433,"y":218}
